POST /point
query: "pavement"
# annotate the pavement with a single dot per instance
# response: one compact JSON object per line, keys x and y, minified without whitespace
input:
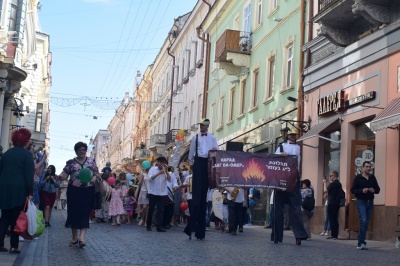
{"x":133,"y":245}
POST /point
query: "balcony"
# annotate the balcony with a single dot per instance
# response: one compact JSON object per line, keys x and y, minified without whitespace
{"x":232,"y":51}
{"x":142,"y":154}
{"x":346,"y":21}
{"x":157,"y":140}
{"x":170,"y":136}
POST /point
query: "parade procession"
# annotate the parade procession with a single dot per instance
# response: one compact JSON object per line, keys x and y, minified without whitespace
{"x":194,"y":132}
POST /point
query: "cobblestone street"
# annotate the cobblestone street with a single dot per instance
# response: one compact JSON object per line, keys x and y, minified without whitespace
{"x":133,"y":245}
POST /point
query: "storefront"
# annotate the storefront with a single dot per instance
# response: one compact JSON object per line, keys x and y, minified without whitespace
{"x":348,"y":97}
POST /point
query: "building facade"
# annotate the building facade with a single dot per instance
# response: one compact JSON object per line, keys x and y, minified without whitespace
{"x":352,"y":74}
{"x":255,"y":61}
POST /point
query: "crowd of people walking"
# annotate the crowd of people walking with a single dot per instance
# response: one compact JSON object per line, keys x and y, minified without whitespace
{"x":160,"y":196}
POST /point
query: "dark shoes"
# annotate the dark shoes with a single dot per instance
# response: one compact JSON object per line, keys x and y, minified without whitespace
{"x":47,"y":224}
{"x":241,"y":230}
{"x":161,"y":230}
{"x":3,"y":249}
{"x":82,"y":244}
{"x":167,"y":226}
{"x":14,"y":251}
{"x":298,"y":241}
{"x":148,"y":228}
{"x":73,"y":243}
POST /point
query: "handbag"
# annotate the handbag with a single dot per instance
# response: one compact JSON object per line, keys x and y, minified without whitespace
{"x":40,"y":224}
{"x":21,"y":226}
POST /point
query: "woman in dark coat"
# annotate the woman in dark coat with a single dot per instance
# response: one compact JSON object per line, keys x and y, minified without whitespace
{"x":16,"y":183}
{"x":80,"y":195}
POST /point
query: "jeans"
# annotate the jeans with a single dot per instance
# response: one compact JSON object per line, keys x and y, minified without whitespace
{"x":208,"y":214}
{"x":364,"y":209}
{"x":250,"y":210}
{"x":327,"y":226}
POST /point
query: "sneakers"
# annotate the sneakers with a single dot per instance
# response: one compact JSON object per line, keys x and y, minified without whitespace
{"x":323,"y":233}
{"x":21,"y":239}
{"x":326,"y":234}
{"x":141,"y":222}
{"x":207,"y":228}
{"x":362,"y":247}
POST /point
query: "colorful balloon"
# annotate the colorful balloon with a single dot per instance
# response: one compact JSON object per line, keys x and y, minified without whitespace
{"x":129,"y":176}
{"x":85,"y":175}
{"x":111,"y":181}
{"x":146,"y":164}
{"x":180,"y":136}
{"x":184,"y":206}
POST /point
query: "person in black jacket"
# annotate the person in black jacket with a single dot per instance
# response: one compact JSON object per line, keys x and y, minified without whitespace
{"x":333,"y":190}
{"x":364,"y":187}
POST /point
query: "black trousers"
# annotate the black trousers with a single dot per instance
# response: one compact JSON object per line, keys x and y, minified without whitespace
{"x":155,"y":201}
{"x":235,"y":218}
{"x":188,"y":228}
{"x":199,"y":197}
{"x":8,"y":219}
{"x":295,"y":216}
{"x":333,"y":215}
{"x":168,"y":213}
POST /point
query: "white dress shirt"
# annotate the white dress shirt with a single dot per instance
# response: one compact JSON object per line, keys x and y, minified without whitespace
{"x":239,"y":197}
{"x":173,"y":183}
{"x":291,"y":149}
{"x":205,"y":144}
{"x":158,"y":186}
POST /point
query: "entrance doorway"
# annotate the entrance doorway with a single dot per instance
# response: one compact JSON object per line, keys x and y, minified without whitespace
{"x":361,"y":150}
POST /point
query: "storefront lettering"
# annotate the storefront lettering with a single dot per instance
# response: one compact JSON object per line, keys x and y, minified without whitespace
{"x":330,"y":103}
{"x":361,"y":98}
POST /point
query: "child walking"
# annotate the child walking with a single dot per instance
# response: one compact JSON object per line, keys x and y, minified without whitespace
{"x":116,"y":207}
{"x":131,"y":205}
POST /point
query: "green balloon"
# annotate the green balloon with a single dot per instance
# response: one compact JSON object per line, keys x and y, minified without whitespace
{"x":85,"y":175}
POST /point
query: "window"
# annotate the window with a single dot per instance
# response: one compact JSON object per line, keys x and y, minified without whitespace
{"x":177,"y":75}
{"x":247,"y":20}
{"x":231,"y":104}
{"x":256,"y":82}
{"x":189,"y":53}
{"x":332,"y":153}
{"x":212,"y":111}
{"x":39,"y":115}
{"x":221,"y":112}
{"x":271,"y":78}
{"x":199,"y":107}
{"x":242,"y":104}
{"x":179,"y":119}
{"x":174,"y":124}
{"x":259,"y":12}
{"x":183,"y":69}
{"x":13,"y":16}
{"x":273,"y":4}
{"x":195,"y":54}
{"x":191,"y":114}
{"x":185,"y":117}
{"x":202,"y":47}
{"x":289,"y":66}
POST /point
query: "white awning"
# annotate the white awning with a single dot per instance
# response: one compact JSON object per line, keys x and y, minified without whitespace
{"x":318,"y":128}
{"x":388,"y":117}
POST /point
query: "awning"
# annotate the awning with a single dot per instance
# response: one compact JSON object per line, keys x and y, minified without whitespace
{"x":318,"y":128}
{"x":388,"y":117}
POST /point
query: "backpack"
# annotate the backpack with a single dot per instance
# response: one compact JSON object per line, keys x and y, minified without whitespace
{"x":308,"y":203}
{"x":342,"y":197}
{"x":256,"y":193}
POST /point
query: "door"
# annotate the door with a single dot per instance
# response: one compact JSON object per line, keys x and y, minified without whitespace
{"x":361,"y":150}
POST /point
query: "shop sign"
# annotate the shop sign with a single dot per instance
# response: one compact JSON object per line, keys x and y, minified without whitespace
{"x":331,"y":103}
{"x":362,"y":98}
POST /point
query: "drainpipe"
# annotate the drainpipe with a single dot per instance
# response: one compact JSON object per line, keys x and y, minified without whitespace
{"x":172,"y":87}
{"x":310,"y":30}
{"x":209,"y":5}
{"x":300,"y":95}
{"x":207,"y":70}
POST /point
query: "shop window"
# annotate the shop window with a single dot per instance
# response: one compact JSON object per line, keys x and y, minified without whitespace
{"x":332,"y":153}
{"x":364,"y":132}
{"x":39,"y":115}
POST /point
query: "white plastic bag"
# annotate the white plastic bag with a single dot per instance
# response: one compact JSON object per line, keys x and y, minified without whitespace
{"x":31,"y":214}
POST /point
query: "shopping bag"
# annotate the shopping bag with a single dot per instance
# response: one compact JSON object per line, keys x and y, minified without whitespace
{"x":40,"y":223}
{"x":21,"y":226}
{"x":31,"y":215}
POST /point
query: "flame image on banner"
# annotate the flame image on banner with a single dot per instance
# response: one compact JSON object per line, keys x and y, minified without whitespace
{"x":253,"y":171}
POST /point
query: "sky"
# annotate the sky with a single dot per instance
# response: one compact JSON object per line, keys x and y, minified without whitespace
{"x":97,"y":48}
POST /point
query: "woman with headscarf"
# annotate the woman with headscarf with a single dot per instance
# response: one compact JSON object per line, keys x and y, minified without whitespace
{"x":49,"y":186}
{"x":16,"y":183}
{"x":80,"y":195}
